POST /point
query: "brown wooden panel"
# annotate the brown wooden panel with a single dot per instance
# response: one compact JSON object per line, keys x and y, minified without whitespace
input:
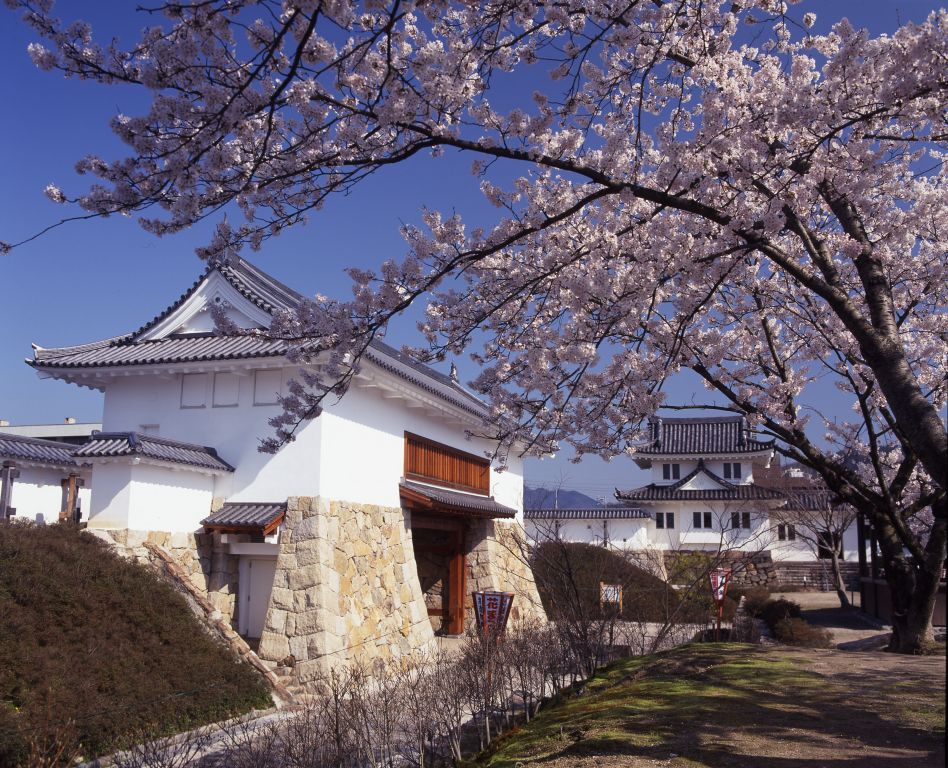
{"x":427,"y":460}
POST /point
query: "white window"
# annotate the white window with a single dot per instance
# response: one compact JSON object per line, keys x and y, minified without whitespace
{"x":226,"y":390}
{"x":671,"y":471}
{"x":664,"y":519}
{"x":732,"y":470}
{"x":267,"y":386}
{"x":193,"y":390}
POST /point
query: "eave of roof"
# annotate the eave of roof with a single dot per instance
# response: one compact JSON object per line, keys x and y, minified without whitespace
{"x":696,"y":437}
{"x":34,"y":450}
{"x":593,"y":513}
{"x":106,"y":445}
{"x":251,"y":517}
{"x":442,"y":500}
{"x":265,"y":292}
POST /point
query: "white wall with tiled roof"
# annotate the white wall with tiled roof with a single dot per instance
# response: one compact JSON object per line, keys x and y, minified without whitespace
{"x":37,"y":494}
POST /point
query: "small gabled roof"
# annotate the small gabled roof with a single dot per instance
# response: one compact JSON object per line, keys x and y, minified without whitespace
{"x":593,"y":513}
{"x":249,"y":516}
{"x":136,"y":444}
{"x":429,"y":497}
{"x":726,"y":491}
{"x":707,"y":436}
{"x":266,"y":293}
{"x":34,"y":450}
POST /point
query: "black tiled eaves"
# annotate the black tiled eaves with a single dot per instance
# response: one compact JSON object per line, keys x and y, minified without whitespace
{"x":35,"y":450}
{"x":110,"y":444}
{"x":241,"y":514}
{"x":702,"y":436}
{"x":270,"y":295}
{"x":653,"y":492}
{"x":464,"y":503}
{"x":173,"y":349}
{"x":595,"y":513}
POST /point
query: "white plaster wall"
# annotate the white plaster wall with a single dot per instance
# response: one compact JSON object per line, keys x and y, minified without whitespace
{"x":37,"y":494}
{"x":164,"y":499}
{"x":800,"y":550}
{"x":623,"y":534}
{"x":111,"y":496}
{"x":234,"y":431}
{"x":353,"y":452}
{"x":149,"y":498}
{"x":687,"y":467}
{"x":363,"y":456}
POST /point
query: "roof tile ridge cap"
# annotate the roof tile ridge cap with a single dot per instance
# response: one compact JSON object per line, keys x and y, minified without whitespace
{"x":53,"y":353}
{"x":241,"y":269}
{"x":38,"y":440}
{"x":174,"y":305}
{"x":161,"y":439}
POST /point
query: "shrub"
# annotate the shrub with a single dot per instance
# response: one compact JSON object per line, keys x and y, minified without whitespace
{"x":775,"y":611}
{"x":103,"y":644}
{"x":794,"y":631}
{"x":568,"y":576}
{"x":754,"y":599}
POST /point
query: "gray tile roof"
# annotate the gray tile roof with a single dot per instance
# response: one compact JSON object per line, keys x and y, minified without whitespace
{"x":265,"y":292}
{"x":251,"y":515}
{"x":702,"y":437}
{"x":461,"y":503}
{"x":675,"y":491}
{"x":35,"y":450}
{"x":111,"y":444}
{"x":594,"y":513}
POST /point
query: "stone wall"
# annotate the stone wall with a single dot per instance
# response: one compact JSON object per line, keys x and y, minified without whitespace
{"x":202,"y":556}
{"x":497,"y":560}
{"x":346,"y":589}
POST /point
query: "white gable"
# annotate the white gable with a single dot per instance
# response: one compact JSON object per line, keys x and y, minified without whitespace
{"x":702,"y":482}
{"x":194,"y":315}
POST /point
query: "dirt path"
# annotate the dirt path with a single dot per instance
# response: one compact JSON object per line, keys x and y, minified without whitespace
{"x":850,"y":629}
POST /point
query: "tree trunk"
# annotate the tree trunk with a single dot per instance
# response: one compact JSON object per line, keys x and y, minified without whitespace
{"x":913,"y":584}
{"x":838,"y":579}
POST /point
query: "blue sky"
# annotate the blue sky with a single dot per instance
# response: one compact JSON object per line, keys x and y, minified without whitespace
{"x":93,"y":279}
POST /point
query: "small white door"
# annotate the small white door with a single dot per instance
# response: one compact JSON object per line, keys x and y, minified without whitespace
{"x":256,"y":599}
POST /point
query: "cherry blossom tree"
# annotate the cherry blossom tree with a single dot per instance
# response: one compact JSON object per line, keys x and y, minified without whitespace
{"x":697,"y":185}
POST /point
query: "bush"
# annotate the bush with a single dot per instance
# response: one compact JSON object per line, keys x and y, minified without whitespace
{"x":775,"y":611}
{"x":568,"y":576}
{"x":754,"y":599}
{"x":801,"y":633}
{"x":98,"y":650}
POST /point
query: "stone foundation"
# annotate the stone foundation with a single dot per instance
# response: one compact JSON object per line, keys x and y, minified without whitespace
{"x":497,"y":560}
{"x":346,"y":589}
{"x":202,"y":556}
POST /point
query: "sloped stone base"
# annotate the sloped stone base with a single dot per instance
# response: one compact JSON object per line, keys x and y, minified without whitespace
{"x":346,"y":590}
{"x":497,"y":560}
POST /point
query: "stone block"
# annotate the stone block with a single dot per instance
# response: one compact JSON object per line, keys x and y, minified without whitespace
{"x":305,"y":599}
{"x":282,"y":598}
{"x":311,"y":671}
{"x":273,"y":646}
{"x":309,"y":622}
{"x":276,"y":620}
{"x":302,"y":578}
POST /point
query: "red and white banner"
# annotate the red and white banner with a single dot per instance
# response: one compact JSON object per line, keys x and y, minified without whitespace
{"x":720,"y":578}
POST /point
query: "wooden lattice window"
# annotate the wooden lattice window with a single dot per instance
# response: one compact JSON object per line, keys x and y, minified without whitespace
{"x":432,"y":462}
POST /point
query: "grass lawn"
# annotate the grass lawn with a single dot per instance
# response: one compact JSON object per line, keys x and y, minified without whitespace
{"x":738,"y":706}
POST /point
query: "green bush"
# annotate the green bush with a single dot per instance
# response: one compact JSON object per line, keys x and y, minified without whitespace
{"x":568,"y":577}
{"x":801,"y":633}
{"x":98,"y":650}
{"x":775,"y":611}
{"x":754,"y":598}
